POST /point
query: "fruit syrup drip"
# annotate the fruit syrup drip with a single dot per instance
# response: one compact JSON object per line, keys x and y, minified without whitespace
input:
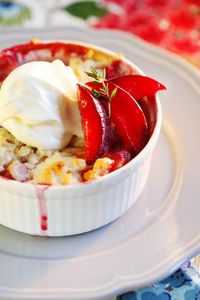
{"x":42,"y":205}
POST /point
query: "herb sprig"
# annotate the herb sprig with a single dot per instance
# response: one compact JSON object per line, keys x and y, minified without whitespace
{"x":103,"y":92}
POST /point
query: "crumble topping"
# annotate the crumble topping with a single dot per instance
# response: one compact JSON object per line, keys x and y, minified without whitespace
{"x":24,"y":163}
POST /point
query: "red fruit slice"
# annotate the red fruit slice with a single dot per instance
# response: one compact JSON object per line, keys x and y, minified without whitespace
{"x":120,"y":158}
{"x":92,"y":85}
{"x":138,"y":86}
{"x":94,"y":123}
{"x":115,"y":140}
{"x":119,"y":68}
{"x":127,"y":117}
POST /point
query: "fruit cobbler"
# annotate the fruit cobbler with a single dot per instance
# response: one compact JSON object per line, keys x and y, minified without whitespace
{"x":70,"y":113}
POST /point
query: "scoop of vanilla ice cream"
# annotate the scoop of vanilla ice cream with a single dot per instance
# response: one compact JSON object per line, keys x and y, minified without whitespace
{"x":39,"y":105}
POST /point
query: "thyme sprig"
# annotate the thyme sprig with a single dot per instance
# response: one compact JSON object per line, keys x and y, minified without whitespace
{"x":103,"y":92}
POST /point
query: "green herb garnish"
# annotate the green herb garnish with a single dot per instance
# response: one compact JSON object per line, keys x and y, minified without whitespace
{"x":103,"y":93}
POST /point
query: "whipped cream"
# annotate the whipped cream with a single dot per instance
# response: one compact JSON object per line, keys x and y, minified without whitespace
{"x":39,"y":104}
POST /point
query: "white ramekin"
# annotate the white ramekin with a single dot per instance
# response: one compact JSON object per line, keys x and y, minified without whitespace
{"x":74,"y":209}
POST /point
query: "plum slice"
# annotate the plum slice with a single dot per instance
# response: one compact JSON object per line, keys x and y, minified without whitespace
{"x":129,"y":120}
{"x":95,"y":124}
{"x":120,"y":158}
{"x":138,"y":86}
{"x":127,"y":116}
{"x":119,"y":68}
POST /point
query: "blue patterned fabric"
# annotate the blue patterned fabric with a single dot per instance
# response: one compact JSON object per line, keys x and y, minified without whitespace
{"x":184,"y":284}
{"x":12,"y":13}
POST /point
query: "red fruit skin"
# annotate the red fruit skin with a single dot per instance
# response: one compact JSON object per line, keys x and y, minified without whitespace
{"x":120,"y":157}
{"x":149,"y":108}
{"x":95,"y":124}
{"x":119,"y":68}
{"x":138,"y":86}
{"x":128,"y":118}
{"x":92,"y":85}
{"x":115,"y":140}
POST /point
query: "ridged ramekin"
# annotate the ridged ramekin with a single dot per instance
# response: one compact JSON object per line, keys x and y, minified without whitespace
{"x":79,"y":208}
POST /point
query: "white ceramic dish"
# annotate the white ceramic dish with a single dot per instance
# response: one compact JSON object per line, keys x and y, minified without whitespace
{"x":154,"y":237}
{"x":78,"y":208}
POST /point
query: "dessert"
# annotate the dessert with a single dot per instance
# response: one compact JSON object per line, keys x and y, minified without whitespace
{"x":78,"y":128}
{"x":70,"y":113}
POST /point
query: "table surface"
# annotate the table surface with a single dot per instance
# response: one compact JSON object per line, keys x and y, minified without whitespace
{"x":170,"y":24}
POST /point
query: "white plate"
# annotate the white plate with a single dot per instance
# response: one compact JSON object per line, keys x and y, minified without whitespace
{"x":157,"y":234}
